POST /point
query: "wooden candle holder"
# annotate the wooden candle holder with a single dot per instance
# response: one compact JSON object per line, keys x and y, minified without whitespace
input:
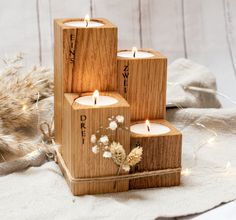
{"x":142,"y":81}
{"x":159,"y":152}
{"x":85,"y":59}
{"x":76,"y":158}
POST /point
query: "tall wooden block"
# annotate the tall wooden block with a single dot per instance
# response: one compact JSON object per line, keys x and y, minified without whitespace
{"x":79,"y":123}
{"x":142,"y":81}
{"x":159,"y":152}
{"x":85,"y":59}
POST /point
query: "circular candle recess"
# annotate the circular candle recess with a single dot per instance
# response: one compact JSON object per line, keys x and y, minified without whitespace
{"x":155,"y":129}
{"x":101,"y":101}
{"x":83,"y":24}
{"x":138,"y":54}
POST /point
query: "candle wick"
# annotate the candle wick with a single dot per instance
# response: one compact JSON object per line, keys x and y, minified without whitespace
{"x":134,"y":54}
{"x":86,"y":23}
{"x":95,"y":101}
{"x":148,"y":128}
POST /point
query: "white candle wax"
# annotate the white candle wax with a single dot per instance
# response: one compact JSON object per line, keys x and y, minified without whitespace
{"x":138,"y":54}
{"x":83,"y":24}
{"x":155,"y":129}
{"x":101,"y":101}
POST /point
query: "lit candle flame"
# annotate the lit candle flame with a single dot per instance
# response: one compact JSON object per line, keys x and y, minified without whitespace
{"x":134,"y":51}
{"x":148,"y":125}
{"x":87,"y":19}
{"x":95,"y":97}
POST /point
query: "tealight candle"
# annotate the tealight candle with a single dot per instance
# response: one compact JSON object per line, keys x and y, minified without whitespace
{"x":147,"y":128}
{"x":96,"y":100}
{"x":86,"y":23}
{"x":134,"y":53}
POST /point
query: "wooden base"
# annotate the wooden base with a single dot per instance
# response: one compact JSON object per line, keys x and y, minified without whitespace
{"x":159,"y":152}
{"x":85,"y":188}
{"x":77,"y":186}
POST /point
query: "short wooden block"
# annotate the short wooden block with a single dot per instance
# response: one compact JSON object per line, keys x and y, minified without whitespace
{"x":159,"y":152}
{"x":85,"y":59}
{"x":143,"y":83}
{"x":79,"y":123}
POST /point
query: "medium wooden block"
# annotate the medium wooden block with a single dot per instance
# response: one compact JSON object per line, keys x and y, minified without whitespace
{"x":79,"y":123}
{"x":159,"y":152}
{"x":142,"y":81}
{"x":85,"y":59}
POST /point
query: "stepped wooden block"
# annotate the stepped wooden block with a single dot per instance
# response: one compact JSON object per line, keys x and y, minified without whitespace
{"x":159,"y":152}
{"x":85,"y":59}
{"x":79,"y":123}
{"x":142,"y":81}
